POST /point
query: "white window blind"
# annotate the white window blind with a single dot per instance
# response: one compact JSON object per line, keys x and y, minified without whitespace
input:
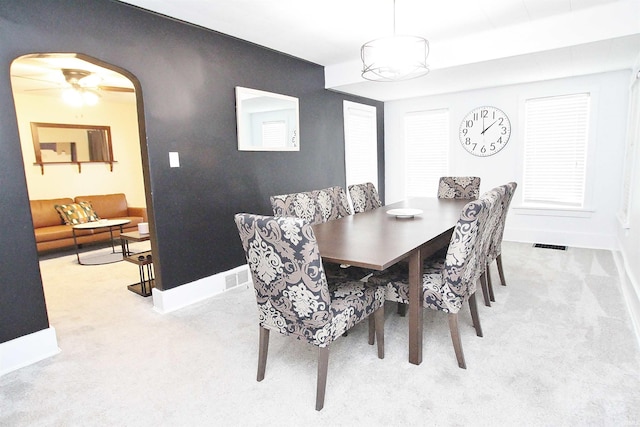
{"x":274,"y":134}
{"x":633,"y":138}
{"x":426,"y":136}
{"x":360,"y":143}
{"x":556,"y":137}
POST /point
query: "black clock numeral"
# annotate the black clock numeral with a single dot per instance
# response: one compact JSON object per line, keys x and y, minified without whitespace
{"x":493,"y":146}
{"x":504,"y":130}
{"x":499,"y":141}
{"x":484,"y":113}
{"x":467,"y":141}
{"x":469,"y":123}
{"x":500,"y":120}
{"x":465,"y":131}
{"x":483,"y":149}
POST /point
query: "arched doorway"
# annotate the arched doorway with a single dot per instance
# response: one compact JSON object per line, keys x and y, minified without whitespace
{"x":104,"y":94}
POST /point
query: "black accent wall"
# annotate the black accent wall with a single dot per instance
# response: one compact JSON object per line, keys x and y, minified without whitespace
{"x":187,"y":78}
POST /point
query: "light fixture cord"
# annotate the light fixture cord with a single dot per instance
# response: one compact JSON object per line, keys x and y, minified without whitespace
{"x":394,"y":18}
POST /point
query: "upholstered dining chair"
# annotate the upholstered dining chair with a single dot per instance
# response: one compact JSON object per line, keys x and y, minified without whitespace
{"x":495,"y":247}
{"x":293,"y":295}
{"x":495,"y":197}
{"x":300,"y":205}
{"x":459,"y":187}
{"x":364,"y":197}
{"x":449,"y":281}
{"x":332,"y":203}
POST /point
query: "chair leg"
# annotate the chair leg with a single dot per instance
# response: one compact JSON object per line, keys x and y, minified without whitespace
{"x":372,"y":329}
{"x":378,"y":316}
{"x":402,"y":309}
{"x":455,"y":338}
{"x":473,"y":306}
{"x":262,"y":352}
{"x":485,"y":290}
{"x":323,"y":364}
{"x":500,"y":270}
{"x":489,"y":284}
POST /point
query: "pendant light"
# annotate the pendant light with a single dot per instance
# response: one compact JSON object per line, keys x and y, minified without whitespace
{"x":395,"y":58}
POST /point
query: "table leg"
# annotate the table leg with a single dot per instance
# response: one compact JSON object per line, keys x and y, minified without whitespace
{"x":125,"y":247}
{"x":75,"y":242}
{"x":415,"y":307}
{"x":113,"y":249}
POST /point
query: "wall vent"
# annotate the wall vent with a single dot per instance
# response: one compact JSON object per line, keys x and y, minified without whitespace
{"x":547,"y":246}
{"x":243,"y":276}
{"x":230,"y":281}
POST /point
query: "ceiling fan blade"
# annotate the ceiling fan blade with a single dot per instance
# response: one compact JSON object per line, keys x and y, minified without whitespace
{"x":116,"y":89}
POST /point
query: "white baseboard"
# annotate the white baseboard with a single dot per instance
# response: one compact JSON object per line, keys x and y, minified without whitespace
{"x":630,"y":290}
{"x":565,"y":238}
{"x":27,"y":350}
{"x":190,"y":293}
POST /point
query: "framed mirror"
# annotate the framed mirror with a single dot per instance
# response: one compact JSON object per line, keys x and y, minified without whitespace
{"x":266,"y":121}
{"x":70,"y":143}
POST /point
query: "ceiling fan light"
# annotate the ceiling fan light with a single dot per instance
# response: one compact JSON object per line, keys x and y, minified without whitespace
{"x":72,"y":97}
{"x":89,"y":97}
{"x":395,"y":58}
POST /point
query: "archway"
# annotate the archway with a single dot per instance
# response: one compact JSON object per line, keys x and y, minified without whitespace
{"x":39,"y":82}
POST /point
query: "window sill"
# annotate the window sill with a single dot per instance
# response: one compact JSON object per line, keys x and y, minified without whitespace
{"x":549,"y":211}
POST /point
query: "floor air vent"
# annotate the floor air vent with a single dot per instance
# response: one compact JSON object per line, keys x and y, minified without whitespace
{"x":546,"y":246}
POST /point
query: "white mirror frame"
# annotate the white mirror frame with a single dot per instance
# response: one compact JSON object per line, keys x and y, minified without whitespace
{"x":266,"y":121}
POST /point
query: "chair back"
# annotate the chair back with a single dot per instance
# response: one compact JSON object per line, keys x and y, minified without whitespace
{"x":290,"y":285}
{"x":466,"y":256}
{"x":495,"y":247}
{"x":364,"y":197}
{"x":459,"y":187}
{"x":299,"y":205}
{"x":332,"y":203}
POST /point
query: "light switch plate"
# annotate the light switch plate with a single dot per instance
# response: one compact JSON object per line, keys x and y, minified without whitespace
{"x":174,"y":159}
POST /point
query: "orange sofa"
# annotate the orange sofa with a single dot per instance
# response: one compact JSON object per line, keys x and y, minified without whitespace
{"x":52,"y":233}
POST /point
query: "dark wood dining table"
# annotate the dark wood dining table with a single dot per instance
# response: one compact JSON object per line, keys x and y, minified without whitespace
{"x":376,"y":240}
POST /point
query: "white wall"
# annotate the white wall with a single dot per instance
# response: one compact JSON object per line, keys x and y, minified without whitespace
{"x":63,"y":180}
{"x":596,"y":225}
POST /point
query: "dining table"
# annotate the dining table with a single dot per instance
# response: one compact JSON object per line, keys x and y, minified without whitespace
{"x":411,"y":230}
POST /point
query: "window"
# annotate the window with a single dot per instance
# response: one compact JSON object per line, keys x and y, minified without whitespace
{"x":360,"y":143}
{"x":426,"y":136}
{"x":555,"y":150}
{"x":274,"y":134}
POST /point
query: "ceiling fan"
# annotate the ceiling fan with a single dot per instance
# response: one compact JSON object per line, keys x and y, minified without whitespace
{"x":79,"y":86}
{"x":83,"y":79}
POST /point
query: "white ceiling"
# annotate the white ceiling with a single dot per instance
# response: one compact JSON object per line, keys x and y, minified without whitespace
{"x":473,"y":43}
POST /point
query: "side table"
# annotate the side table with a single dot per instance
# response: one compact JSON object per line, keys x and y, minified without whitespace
{"x":131,"y":236}
{"x":144,"y":261}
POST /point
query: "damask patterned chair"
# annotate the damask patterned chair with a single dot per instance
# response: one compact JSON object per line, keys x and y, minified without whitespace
{"x":495,"y":197}
{"x":315,"y":207}
{"x":495,"y":247}
{"x":300,"y":205}
{"x":293,"y":295}
{"x":450,"y":280}
{"x":364,"y":197}
{"x":459,"y":187}
{"x":332,"y":203}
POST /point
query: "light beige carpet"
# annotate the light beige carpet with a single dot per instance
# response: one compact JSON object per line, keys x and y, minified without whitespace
{"x":558,"y":350}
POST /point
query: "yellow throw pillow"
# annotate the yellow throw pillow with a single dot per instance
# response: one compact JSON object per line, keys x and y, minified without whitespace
{"x":77,"y":213}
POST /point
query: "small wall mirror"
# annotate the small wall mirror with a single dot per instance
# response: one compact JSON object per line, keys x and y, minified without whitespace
{"x":266,"y":121}
{"x":66,"y":143}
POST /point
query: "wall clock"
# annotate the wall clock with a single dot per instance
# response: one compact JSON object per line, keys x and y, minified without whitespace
{"x":485,"y":131}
